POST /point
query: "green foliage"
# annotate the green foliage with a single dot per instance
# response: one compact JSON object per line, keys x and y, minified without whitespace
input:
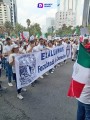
{"x":47,"y":34}
{"x":19,"y":28}
{"x":8,"y":27}
{"x":68,"y":30}
{"x":35,"y":29}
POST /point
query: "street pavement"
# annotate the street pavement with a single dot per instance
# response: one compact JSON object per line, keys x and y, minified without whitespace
{"x":46,"y":101}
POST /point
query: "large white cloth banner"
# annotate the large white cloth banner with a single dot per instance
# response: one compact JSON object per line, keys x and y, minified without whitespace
{"x":31,"y":66}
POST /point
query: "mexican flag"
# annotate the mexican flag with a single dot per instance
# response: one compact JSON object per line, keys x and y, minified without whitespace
{"x":81,"y":73}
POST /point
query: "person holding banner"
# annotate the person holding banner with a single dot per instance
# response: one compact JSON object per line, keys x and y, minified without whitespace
{"x":41,"y":46}
{"x":15,"y":51}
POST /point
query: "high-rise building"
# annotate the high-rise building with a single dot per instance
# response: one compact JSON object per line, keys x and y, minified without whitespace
{"x":89,"y":14}
{"x":4,"y":13}
{"x":13,"y":10}
{"x":81,"y":9}
{"x":65,"y":14}
{"x":50,"y":22}
{"x":67,"y":18}
{"x":86,"y":12}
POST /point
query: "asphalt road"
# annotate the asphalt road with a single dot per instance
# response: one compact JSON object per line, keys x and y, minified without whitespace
{"x":46,"y":101}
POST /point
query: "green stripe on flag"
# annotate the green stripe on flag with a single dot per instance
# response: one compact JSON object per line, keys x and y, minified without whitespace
{"x":83,"y":57}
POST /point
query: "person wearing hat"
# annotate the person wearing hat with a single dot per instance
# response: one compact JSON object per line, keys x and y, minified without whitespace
{"x":6,"y":52}
{"x":15,"y":51}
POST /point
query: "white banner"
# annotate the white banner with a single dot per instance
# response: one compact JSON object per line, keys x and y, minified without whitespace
{"x":31,"y":66}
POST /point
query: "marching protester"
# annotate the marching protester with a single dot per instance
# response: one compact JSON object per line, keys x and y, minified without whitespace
{"x":80,"y":84}
{"x":64,"y":42}
{"x":6,"y":52}
{"x":74,"y":50}
{"x":50,"y":46}
{"x":15,"y":51}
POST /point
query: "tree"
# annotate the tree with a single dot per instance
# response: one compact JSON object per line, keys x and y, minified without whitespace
{"x":19,"y":28}
{"x":47,"y":34}
{"x":8,"y":27}
{"x":2,"y":29}
{"x":64,"y":27}
{"x":35,"y":29}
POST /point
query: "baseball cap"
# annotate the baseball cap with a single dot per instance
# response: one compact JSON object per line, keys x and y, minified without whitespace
{"x":15,"y":46}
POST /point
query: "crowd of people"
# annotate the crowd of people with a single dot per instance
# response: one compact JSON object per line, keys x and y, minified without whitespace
{"x":9,"y":49}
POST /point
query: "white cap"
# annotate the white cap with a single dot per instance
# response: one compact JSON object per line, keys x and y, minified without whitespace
{"x":15,"y":46}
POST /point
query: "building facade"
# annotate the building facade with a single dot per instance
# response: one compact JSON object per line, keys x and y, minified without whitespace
{"x":13,"y":10}
{"x":50,"y":23}
{"x":67,"y":18}
{"x":4,"y":13}
{"x":86,"y":13}
{"x":80,"y":11}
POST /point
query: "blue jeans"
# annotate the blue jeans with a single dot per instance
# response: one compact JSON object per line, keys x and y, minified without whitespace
{"x":4,"y":63}
{"x":14,"y":78}
{"x":9,"y":71}
{"x":83,"y":112}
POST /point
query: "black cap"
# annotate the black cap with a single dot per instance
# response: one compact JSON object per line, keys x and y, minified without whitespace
{"x":7,"y":39}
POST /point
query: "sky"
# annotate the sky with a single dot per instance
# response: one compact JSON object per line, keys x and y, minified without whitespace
{"x":27,"y":9}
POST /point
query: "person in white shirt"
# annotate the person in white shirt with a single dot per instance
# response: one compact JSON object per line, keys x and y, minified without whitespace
{"x":15,"y":51}
{"x":31,"y":46}
{"x":21,"y":47}
{"x":6,"y":52}
{"x":40,"y":46}
{"x":64,"y":43}
{"x":74,"y":50}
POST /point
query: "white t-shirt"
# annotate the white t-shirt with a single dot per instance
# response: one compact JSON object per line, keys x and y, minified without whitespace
{"x":7,"y":49}
{"x":20,"y":49}
{"x":28,"y":48}
{"x":85,"y":95}
{"x":38,"y":48}
{"x":74,"y":47}
{"x":65,"y":44}
{"x":11,"y":56}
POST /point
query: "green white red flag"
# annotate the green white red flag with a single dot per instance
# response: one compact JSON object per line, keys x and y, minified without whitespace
{"x":81,"y":73}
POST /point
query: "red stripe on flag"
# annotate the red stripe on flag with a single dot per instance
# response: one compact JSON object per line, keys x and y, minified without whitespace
{"x":75,"y":89}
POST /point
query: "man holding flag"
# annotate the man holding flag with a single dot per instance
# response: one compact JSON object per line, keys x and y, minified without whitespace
{"x":80,"y":84}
